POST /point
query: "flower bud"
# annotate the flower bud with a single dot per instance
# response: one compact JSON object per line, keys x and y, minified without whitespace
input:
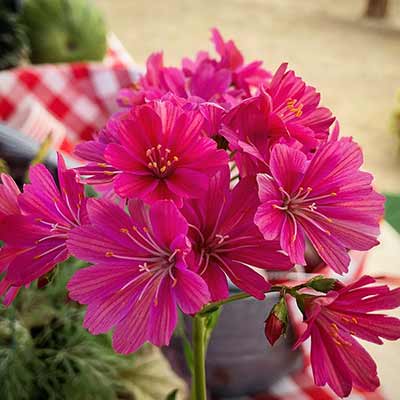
{"x":276,"y":323}
{"x":322,"y":284}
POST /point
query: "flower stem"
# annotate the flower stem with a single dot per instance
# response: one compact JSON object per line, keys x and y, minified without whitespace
{"x":199,"y":358}
{"x":239,"y":296}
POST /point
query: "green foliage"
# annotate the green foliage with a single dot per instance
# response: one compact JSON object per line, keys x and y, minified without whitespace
{"x":45,"y":353}
{"x":395,"y":117}
{"x":392,"y":210}
{"x":64,"y":31}
{"x":13,"y":40}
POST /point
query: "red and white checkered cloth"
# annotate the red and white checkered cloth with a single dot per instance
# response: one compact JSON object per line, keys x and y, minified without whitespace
{"x":79,"y":95}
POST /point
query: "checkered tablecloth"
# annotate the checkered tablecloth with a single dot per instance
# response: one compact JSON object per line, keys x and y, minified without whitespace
{"x":79,"y":95}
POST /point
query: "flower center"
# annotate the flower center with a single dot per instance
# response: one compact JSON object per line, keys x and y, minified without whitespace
{"x":297,"y":110}
{"x":302,"y":204}
{"x":161,"y":161}
{"x":216,"y":246}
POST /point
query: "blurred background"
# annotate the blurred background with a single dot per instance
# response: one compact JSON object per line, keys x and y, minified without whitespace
{"x":348,"y":50}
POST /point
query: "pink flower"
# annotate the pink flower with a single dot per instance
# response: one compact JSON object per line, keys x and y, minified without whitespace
{"x":328,"y":200}
{"x":9,"y":193}
{"x":140,"y":273}
{"x":244,"y":76}
{"x":162,"y":154}
{"x":206,"y":79}
{"x":35,"y":240}
{"x":226,"y":241}
{"x":285,"y":111}
{"x":334,"y":320}
{"x":97,"y":171}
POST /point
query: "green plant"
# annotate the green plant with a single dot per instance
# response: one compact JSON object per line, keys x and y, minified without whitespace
{"x":45,"y":353}
{"x":13,"y":40}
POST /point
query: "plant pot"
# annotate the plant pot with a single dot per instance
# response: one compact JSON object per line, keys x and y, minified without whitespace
{"x":240,"y":361}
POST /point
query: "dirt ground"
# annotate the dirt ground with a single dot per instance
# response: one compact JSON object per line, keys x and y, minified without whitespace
{"x":353,"y":62}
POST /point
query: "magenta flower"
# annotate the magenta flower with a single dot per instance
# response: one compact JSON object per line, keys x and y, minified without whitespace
{"x":97,"y":171}
{"x":334,"y":320}
{"x":328,"y":200}
{"x":285,"y":111}
{"x":244,"y":76}
{"x":226,"y":241}
{"x":206,"y":79}
{"x":140,"y":273}
{"x":162,"y":154}
{"x":37,"y":240}
{"x":9,"y":193}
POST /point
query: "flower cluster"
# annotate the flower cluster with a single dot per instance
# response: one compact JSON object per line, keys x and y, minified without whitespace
{"x":35,"y":225}
{"x":211,"y":174}
{"x":224,"y":81}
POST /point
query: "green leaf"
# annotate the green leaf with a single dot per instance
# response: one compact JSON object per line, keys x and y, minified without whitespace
{"x":187,"y":347}
{"x":392,"y":210}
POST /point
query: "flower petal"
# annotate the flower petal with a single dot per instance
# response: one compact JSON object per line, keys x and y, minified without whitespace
{"x":191,"y":291}
{"x":288,"y":166}
{"x":167,"y":222}
{"x":163,"y":315}
{"x":131,"y":185}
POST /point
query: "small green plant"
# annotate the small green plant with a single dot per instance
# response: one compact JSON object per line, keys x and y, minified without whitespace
{"x":45,"y":353}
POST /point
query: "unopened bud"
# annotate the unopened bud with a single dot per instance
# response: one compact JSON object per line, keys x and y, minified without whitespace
{"x":276,"y":323}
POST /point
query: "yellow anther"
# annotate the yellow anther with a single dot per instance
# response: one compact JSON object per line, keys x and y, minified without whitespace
{"x":108,"y":173}
{"x":134,"y":228}
{"x":150,"y":165}
{"x":145,"y":229}
{"x":355,"y":320}
{"x":37,"y":257}
{"x":155,"y":165}
{"x":124,"y":230}
{"x":169,"y":163}
{"x":337,"y":342}
{"x":159,"y":146}
{"x":163,"y":169}
{"x":335,"y":327}
{"x":168,"y":151}
{"x":102,"y":165}
{"x":175,"y":158}
{"x":333,"y":194}
{"x":109,"y":254}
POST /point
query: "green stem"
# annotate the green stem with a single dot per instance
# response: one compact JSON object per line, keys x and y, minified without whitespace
{"x":199,"y":359}
{"x":239,"y":296}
